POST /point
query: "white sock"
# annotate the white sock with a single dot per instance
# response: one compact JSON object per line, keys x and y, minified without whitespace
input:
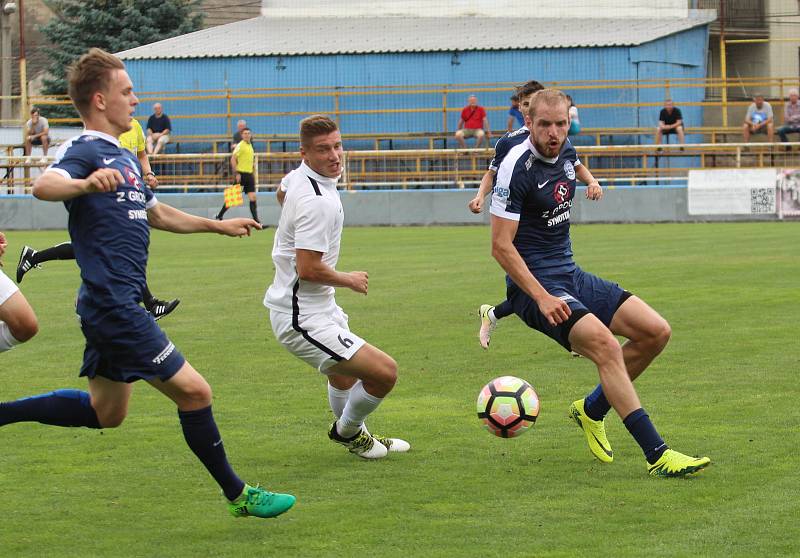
{"x":491,"y":315}
{"x":7,"y":341}
{"x":359,"y":406}
{"x":337,"y":399}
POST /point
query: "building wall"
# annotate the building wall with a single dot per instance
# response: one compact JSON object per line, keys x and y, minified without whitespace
{"x":784,"y":56}
{"x":677,"y":56}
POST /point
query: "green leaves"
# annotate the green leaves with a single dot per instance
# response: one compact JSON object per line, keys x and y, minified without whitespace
{"x":113,"y":25}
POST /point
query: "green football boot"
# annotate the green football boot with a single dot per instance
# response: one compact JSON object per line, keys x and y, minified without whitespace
{"x":257,"y":502}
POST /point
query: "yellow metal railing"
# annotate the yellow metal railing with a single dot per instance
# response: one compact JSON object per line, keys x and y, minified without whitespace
{"x":440,"y":168}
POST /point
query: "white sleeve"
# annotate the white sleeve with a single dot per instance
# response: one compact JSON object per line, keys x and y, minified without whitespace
{"x":314,"y":222}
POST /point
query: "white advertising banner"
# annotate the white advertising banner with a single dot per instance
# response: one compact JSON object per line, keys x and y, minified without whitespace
{"x":789,"y":193}
{"x":732,"y":192}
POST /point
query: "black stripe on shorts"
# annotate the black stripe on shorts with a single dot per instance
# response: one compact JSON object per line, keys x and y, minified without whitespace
{"x":296,"y":320}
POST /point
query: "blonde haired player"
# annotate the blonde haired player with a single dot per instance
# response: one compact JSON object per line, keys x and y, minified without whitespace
{"x":303,"y":312}
{"x":29,"y":258}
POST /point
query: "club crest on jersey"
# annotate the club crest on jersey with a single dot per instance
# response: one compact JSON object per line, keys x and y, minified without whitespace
{"x":132,"y":178}
{"x":561,"y":192}
{"x":569,"y":170}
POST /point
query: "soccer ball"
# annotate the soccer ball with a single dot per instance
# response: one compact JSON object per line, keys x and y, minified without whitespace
{"x":508,"y":406}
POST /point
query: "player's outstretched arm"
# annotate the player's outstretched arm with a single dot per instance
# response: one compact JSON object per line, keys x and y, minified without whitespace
{"x":167,"y":218}
{"x":53,"y":186}
{"x":503,"y":250}
{"x":476,"y":204}
{"x":593,"y":189}
{"x":310,"y":267}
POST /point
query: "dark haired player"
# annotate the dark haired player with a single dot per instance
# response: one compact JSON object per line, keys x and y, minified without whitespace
{"x":530,"y":210}
{"x":489,"y":314}
{"x":111,"y":210}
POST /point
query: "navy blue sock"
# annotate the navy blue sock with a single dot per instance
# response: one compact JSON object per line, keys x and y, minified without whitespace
{"x":502,"y":310}
{"x":63,"y":407}
{"x":202,"y":436}
{"x":645,"y":434}
{"x":596,"y":406}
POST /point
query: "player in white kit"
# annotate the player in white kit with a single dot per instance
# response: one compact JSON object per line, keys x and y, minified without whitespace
{"x":303,"y":312}
{"x":17,"y":321}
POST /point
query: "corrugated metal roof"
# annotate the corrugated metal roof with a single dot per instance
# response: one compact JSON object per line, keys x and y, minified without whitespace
{"x":265,"y":36}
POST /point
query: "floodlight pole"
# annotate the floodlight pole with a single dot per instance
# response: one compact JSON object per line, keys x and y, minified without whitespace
{"x":723,"y":68}
{"x":5,"y":64}
{"x":23,"y":74}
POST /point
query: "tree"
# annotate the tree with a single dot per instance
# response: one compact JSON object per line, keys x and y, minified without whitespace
{"x":114,"y":26}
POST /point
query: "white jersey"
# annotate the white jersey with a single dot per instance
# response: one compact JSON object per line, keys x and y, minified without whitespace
{"x":311,"y":219}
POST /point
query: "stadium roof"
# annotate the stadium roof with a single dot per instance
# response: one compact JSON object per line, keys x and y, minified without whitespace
{"x":270,"y":36}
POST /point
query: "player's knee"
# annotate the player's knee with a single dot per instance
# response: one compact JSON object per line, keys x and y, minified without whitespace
{"x":387,"y":372}
{"x":198,"y":395}
{"x":25,"y":329}
{"x":605,"y":349}
{"x":459,"y":134}
{"x":661,"y":333}
{"x":111,"y":418}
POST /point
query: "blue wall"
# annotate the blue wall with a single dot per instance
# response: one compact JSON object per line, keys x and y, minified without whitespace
{"x":680,"y":55}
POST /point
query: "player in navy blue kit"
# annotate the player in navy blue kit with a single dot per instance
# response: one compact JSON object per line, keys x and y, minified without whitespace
{"x":530,"y":210}
{"x":111,"y":210}
{"x":488,"y":314}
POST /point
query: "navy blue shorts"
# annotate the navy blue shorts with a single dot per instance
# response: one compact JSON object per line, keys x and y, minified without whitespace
{"x":583,"y":292}
{"x":124,"y":344}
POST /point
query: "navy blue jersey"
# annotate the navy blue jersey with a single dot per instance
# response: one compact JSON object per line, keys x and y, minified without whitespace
{"x":504,"y":145}
{"x":538,"y":192}
{"x":109,"y":231}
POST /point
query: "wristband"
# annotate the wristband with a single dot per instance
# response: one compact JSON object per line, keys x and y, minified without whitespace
{"x":148,"y":173}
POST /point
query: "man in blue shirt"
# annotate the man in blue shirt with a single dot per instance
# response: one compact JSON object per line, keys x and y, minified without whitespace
{"x":530,"y":209}
{"x":111,"y":210}
{"x":515,"y":117}
{"x":158,"y":130}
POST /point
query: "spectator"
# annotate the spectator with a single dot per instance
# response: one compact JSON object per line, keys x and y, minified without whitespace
{"x":237,"y":135}
{"x":670,"y":121}
{"x":158,"y":130}
{"x":791,"y":117}
{"x":473,"y":122}
{"x":758,"y":119}
{"x":514,"y":114}
{"x":574,"y":121}
{"x":37,"y":133}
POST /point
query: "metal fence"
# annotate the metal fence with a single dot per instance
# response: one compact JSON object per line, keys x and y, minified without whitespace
{"x":437,"y":168}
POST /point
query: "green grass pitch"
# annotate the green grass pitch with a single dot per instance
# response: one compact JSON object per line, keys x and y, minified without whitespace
{"x":726,"y":387}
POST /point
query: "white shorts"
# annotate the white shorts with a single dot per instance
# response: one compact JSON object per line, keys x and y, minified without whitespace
{"x":7,"y":287}
{"x":322,"y":340}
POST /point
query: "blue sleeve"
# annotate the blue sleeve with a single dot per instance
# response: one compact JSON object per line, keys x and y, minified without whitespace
{"x":570,"y":154}
{"x":501,"y":149}
{"x":511,"y":189}
{"x":79,"y":160}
